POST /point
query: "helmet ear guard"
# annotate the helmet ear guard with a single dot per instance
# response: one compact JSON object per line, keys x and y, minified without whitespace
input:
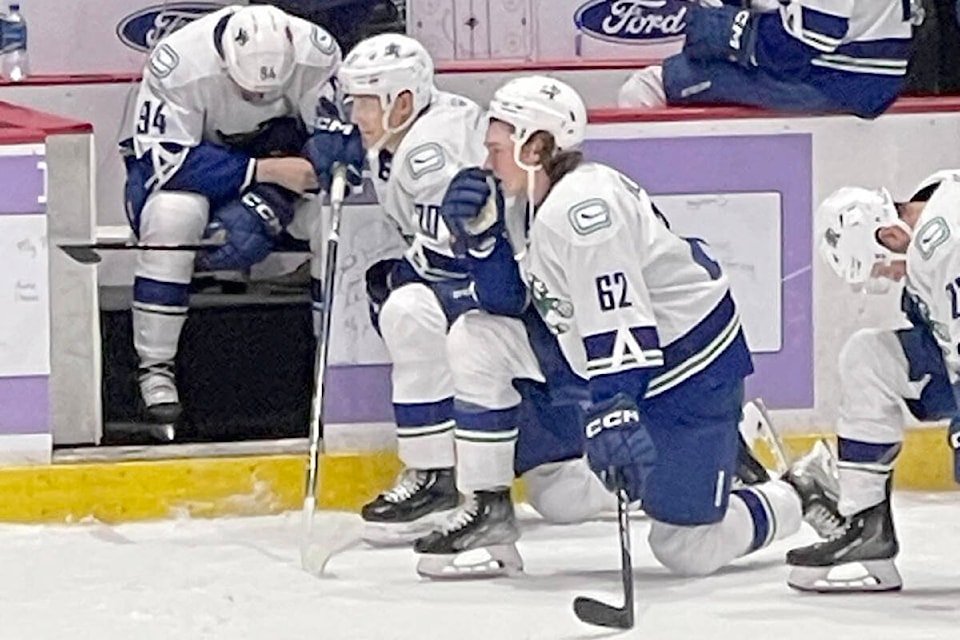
{"x":257,"y":48}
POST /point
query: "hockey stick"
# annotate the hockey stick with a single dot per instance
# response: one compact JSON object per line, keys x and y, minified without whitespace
{"x":313,"y":558}
{"x":606,"y":615}
{"x":89,"y":253}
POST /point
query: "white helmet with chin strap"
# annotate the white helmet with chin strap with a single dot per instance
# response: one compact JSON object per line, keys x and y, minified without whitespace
{"x":385,"y":66}
{"x":258,"y":49}
{"x":847,"y":226}
{"x":934,"y":179}
{"x":540,"y":103}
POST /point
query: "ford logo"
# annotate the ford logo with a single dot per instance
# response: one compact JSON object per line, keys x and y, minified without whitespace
{"x":632,"y":21}
{"x":143,"y":29}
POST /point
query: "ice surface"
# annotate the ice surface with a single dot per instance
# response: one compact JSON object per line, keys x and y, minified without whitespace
{"x":240,"y":579}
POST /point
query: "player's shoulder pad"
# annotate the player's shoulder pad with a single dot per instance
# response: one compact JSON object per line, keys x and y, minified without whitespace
{"x":187,"y":54}
{"x":582,"y":204}
{"x":314,"y":45}
{"x":939,"y":224}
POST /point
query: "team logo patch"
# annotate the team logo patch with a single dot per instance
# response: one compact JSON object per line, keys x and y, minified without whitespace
{"x":589,"y":216}
{"x":931,"y":235}
{"x":425,"y":159}
{"x":143,"y":29}
{"x":323,"y":41}
{"x":632,"y":21}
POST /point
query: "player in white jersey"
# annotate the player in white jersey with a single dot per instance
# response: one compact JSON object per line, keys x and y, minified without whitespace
{"x":219,"y":98}
{"x":644,"y":316}
{"x":869,"y":240}
{"x":847,"y":56}
{"x":415,"y":139}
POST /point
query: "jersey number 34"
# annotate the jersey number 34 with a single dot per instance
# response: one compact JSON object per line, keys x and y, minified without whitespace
{"x":152,"y":118}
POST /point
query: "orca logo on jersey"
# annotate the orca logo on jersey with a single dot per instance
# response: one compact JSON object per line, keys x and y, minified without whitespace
{"x":632,"y":21}
{"x":142,"y":30}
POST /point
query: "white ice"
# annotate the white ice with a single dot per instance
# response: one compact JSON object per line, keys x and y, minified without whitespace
{"x":240,"y":578}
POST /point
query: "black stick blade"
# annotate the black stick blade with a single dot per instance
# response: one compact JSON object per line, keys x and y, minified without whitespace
{"x":603,"y":615}
{"x":81,"y":253}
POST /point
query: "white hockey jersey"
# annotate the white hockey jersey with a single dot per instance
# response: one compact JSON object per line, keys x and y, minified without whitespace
{"x":411,"y":183}
{"x":620,"y":290}
{"x":856,"y":36}
{"x":933,"y":269}
{"x":186,"y":96}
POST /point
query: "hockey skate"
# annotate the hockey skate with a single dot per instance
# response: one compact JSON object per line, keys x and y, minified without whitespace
{"x":477,"y":541}
{"x":859,"y":558}
{"x":421,"y":500}
{"x":159,"y":399}
{"x":814,"y":478}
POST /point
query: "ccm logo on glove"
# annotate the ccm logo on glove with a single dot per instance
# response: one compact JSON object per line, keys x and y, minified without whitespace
{"x":612,"y":420}
{"x":739,"y":24}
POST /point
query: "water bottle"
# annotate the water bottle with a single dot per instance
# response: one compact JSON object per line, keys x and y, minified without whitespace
{"x":14,"y":65}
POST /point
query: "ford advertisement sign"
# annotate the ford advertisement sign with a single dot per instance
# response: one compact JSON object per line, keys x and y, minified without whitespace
{"x":142,"y":30}
{"x":633,"y":21}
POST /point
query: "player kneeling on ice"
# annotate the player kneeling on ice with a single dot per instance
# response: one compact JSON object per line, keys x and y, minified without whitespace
{"x":869,"y":240}
{"x":220,"y":99}
{"x":415,"y":139}
{"x":644,"y":316}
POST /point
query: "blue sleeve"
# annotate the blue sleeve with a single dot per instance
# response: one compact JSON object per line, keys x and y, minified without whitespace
{"x":217,"y":172}
{"x":498,"y":286}
{"x":784,"y":54}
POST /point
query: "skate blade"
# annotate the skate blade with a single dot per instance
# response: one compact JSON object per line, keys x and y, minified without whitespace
{"x":336,"y":532}
{"x":495,"y":561}
{"x":401,"y":534}
{"x":755,"y":425}
{"x":868,"y":576}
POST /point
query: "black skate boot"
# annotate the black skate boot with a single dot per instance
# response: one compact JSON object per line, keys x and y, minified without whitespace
{"x":814,"y":478}
{"x":859,"y":558}
{"x":420,"y":500}
{"x":484,"y":523}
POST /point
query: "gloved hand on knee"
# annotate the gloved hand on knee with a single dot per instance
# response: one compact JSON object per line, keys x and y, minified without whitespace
{"x":619,"y":449}
{"x":250,"y":223}
{"x":383,"y":277}
{"x":721,"y":33}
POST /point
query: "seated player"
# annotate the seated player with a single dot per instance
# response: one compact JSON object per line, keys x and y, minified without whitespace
{"x":219,"y":98}
{"x":815,"y":56}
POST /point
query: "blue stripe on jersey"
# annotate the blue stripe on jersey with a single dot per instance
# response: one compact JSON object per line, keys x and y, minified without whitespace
{"x":888,"y":48}
{"x":831,"y":26}
{"x":701,"y":335}
{"x":441,"y":267}
{"x":859,"y":451}
{"x":472,"y":417}
{"x":167,"y":294}
{"x":213,"y":171}
{"x":423,"y":413}
{"x":600,"y":345}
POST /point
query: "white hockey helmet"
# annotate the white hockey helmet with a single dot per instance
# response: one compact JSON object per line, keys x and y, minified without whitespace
{"x":258,"y":49}
{"x":385,"y":66}
{"x":934,"y":179}
{"x":541,"y":103}
{"x":847,"y":225}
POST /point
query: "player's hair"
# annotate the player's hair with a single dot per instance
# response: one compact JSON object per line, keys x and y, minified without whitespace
{"x":556,"y":164}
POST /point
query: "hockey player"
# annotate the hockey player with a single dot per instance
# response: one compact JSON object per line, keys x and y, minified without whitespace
{"x":847,"y":56}
{"x":415,"y":139}
{"x":869,"y":240}
{"x":643,"y":315}
{"x":218,"y":98}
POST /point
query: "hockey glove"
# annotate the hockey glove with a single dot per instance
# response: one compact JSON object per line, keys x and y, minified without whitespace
{"x":332,"y":143}
{"x":472,"y":209}
{"x":721,"y":33}
{"x":619,"y":445}
{"x":251,"y":224}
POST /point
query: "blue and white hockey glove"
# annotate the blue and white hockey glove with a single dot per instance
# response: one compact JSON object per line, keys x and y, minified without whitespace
{"x":251,"y":223}
{"x":332,"y":143}
{"x":472,"y":209}
{"x":721,"y":33}
{"x":619,"y":449}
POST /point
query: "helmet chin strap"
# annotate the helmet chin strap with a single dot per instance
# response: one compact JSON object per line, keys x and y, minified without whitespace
{"x":386,"y":105}
{"x":531,"y":171}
